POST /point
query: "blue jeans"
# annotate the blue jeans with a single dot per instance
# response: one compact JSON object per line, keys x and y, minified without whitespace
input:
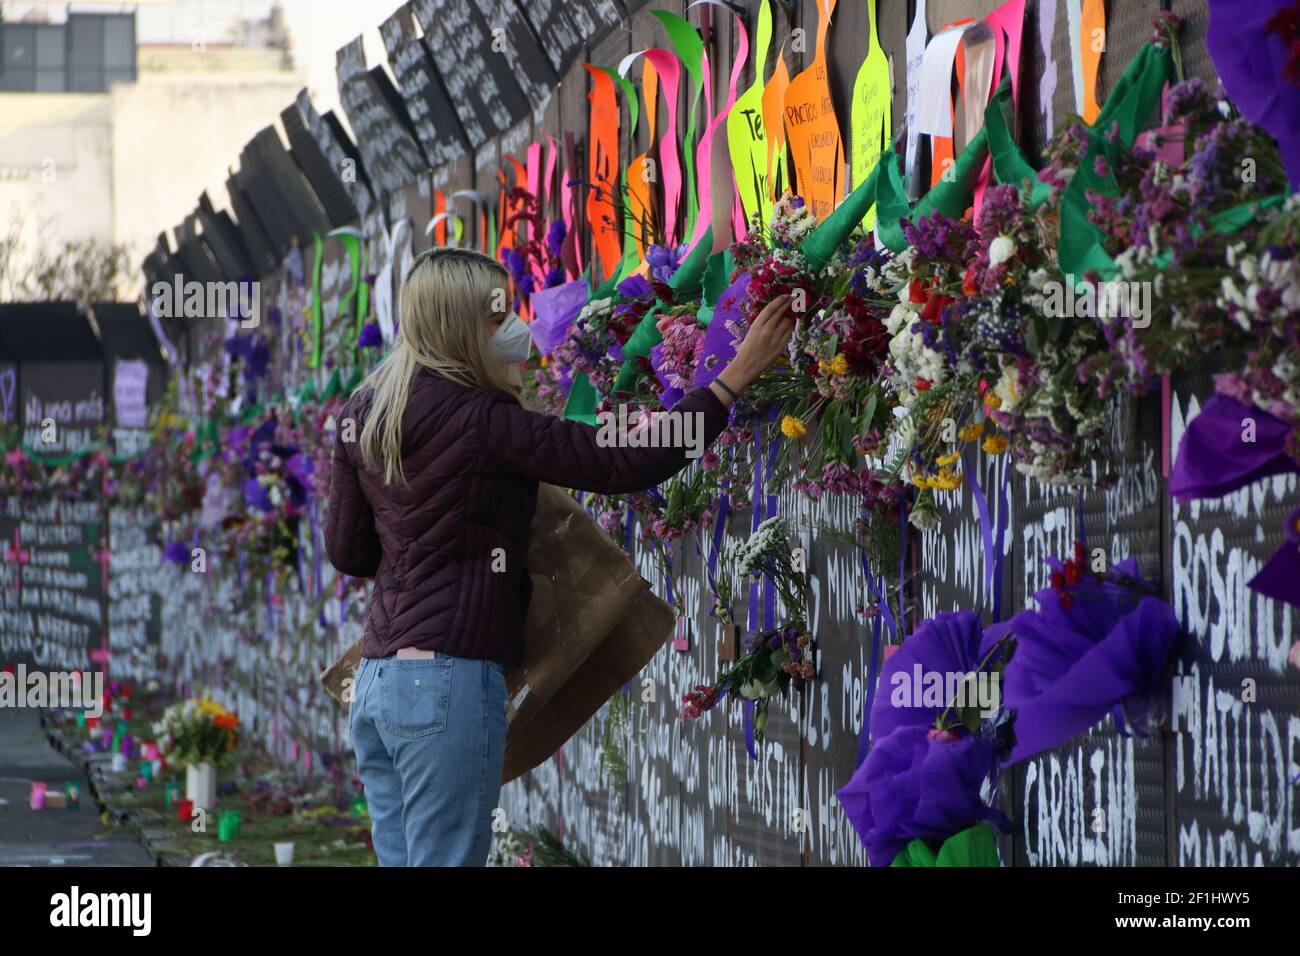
{"x":430,"y":739}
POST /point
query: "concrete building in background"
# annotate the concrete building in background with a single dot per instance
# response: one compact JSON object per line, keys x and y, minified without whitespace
{"x":112,"y":119}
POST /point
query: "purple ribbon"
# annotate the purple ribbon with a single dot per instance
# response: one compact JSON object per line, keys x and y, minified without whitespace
{"x":769,"y":588}
{"x":719,"y":528}
{"x":668,"y":574}
{"x":993,"y":533}
{"x":755,"y":519}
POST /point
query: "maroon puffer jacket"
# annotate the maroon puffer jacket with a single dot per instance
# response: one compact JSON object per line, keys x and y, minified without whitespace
{"x":473,"y":458}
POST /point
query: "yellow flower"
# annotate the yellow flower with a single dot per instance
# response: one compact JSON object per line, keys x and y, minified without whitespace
{"x":839,"y":364}
{"x":921,"y":481}
{"x":971,"y":432}
{"x":947,"y":480}
{"x":823,"y":367}
{"x":947,"y":459}
{"x":791,"y":427}
{"x":995,"y":444}
{"x":545,"y":361}
{"x":992,"y":401}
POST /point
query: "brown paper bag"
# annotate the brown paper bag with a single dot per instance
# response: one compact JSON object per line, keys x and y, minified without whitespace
{"x":593,"y":623}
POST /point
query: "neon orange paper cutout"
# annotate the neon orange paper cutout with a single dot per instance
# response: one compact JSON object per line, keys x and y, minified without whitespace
{"x":640,"y":194}
{"x":812,"y":129}
{"x":1092,"y":27}
{"x":774,"y":127}
{"x":602,"y":172}
{"x":440,"y":206}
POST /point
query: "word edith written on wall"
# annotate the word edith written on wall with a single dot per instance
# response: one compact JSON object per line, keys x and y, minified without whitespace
{"x":1215,"y":784}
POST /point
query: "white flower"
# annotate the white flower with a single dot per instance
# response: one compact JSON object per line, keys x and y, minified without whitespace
{"x":1006,"y":389}
{"x":1001,"y":249}
{"x":923,"y":517}
{"x":1125,"y":261}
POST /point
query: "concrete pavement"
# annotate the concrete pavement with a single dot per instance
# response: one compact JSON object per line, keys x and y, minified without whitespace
{"x":56,"y":837}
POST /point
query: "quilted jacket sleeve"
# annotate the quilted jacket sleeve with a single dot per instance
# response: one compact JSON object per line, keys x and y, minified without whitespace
{"x":350,"y":538}
{"x":575,"y":455}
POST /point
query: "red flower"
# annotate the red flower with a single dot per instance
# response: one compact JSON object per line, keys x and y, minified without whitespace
{"x":934,"y":307}
{"x":922,"y":385}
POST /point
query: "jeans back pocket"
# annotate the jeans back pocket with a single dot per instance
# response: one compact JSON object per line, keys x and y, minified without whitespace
{"x":415,"y":696}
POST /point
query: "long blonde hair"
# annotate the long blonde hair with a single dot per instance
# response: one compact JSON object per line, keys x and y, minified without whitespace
{"x":444,"y":305}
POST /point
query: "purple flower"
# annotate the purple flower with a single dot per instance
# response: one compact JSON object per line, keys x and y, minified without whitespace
{"x":515,"y":263}
{"x":635,"y":287}
{"x":178,"y":552}
{"x":555,"y":238}
{"x":256,"y":495}
{"x":664,"y":261}
{"x":370,"y":336}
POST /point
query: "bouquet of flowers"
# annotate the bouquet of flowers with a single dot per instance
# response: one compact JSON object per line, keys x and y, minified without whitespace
{"x":774,"y":659}
{"x":197,"y":730}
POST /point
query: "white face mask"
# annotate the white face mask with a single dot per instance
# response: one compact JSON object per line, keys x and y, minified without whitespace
{"x":513,"y":341}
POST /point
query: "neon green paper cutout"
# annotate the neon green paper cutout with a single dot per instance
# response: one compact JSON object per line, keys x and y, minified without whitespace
{"x":870,"y":124}
{"x":746,"y":135}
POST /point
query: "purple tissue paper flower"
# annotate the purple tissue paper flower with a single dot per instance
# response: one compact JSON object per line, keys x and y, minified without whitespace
{"x":1095,"y":647}
{"x":918,"y":781}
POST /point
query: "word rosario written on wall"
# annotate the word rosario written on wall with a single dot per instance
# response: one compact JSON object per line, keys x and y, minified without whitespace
{"x":1236,"y":760}
{"x":52,"y":581}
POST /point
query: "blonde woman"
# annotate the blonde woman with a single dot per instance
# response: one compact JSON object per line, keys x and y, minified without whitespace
{"x":433,"y":498}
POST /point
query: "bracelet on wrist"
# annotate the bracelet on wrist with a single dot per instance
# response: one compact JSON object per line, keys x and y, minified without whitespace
{"x":727,"y":388}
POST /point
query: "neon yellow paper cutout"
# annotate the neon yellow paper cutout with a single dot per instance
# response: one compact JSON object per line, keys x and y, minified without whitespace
{"x":746,"y":134}
{"x":871,"y":123}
